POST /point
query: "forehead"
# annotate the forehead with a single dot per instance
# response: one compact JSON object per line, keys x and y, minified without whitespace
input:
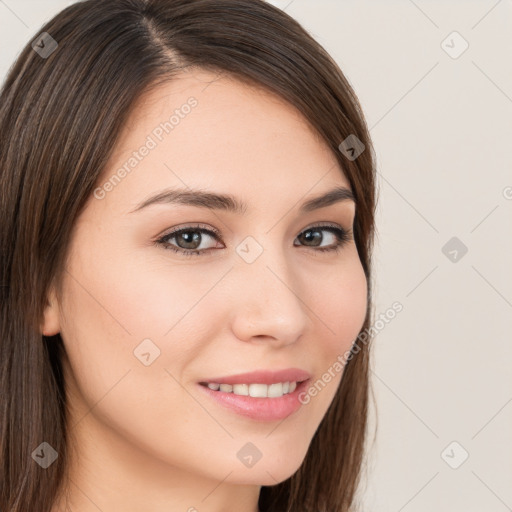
{"x":203,"y":130}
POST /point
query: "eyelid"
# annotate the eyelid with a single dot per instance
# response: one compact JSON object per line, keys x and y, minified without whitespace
{"x":325,"y":224}
{"x":197,"y":226}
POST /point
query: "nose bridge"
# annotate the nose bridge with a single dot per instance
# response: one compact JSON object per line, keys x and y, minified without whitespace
{"x":267,"y":303}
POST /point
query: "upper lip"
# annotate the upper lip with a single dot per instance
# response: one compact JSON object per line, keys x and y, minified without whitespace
{"x":263,"y":377}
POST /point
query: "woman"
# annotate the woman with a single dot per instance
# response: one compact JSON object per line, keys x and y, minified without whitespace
{"x":187,"y":204}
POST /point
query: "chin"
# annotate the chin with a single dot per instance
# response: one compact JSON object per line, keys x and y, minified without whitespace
{"x":267,"y":474}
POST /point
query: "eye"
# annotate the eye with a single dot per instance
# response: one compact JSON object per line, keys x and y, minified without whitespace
{"x":188,"y":240}
{"x":314,"y":235}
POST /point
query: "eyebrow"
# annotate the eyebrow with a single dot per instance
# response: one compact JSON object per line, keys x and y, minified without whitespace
{"x":229,"y":203}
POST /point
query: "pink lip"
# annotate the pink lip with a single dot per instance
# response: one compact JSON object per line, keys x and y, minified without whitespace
{"x":260,"y":409}
{"x":263,"y":377}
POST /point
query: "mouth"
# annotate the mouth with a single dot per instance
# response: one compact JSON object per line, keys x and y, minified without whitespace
{"x":259,"y":401}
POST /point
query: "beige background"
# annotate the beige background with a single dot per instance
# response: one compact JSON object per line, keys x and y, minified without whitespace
{"x":442,"y":129}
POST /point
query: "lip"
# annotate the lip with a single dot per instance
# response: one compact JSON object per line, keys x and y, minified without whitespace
{"x":258,"y":409}
{"x":262,"y":377}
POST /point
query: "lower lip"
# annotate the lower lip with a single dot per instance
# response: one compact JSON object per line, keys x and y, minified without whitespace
{"x":261,"y":409}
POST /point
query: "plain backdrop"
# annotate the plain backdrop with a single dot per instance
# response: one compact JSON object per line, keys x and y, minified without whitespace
{"x":435,"y":82}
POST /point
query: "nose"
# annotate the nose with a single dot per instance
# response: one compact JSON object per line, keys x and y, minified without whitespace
{"x":267,"y":304}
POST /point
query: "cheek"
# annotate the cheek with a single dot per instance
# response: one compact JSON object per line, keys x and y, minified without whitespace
{"x":135,"y":293}
{"x":340,"y":303}
{"x":154,"y":296}
{"x":117,"y":299}
{"x":107,"y":317}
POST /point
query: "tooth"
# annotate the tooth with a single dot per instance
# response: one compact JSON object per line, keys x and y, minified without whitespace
{"x":275,"y":390}
{"x":241,"y":389}
{"x":258,"y":390}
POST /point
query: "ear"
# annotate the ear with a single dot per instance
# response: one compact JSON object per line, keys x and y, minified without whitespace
{"x":51,"y":324}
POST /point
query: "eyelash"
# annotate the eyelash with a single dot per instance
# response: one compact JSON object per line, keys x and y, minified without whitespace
{"x":343,"y":236}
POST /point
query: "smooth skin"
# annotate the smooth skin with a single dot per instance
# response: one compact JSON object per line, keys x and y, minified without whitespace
{"x":147,"y":437}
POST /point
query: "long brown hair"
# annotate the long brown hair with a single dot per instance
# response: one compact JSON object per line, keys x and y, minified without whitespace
{"x":61,"y":114}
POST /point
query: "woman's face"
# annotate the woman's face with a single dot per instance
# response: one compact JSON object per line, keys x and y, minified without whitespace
{"x":144,"y":325}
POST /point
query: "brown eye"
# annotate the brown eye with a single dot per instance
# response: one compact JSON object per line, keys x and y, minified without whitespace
{"x":188,"y":240}
{"x":313,"y":237}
